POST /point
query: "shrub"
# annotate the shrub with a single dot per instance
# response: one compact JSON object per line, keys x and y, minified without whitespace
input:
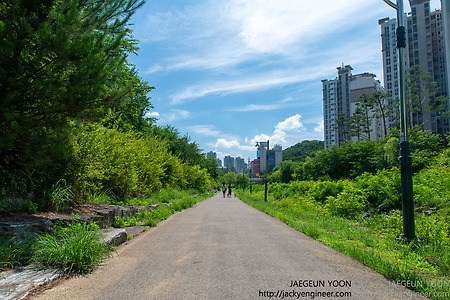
{"x":348,"y":204}
{"x":323,"y":189}
{"x":77,"y":248}
{"x":383,"y":189}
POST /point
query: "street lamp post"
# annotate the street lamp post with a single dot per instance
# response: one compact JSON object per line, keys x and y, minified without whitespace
{"x":267,"y":171}
{"x":250,"y":174}
{"x":405,"y":157}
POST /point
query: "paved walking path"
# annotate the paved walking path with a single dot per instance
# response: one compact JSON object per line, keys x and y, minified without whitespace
{"x":224,"y":249}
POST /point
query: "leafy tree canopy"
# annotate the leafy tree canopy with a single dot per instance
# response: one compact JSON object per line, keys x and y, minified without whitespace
{"x":300,"y":151}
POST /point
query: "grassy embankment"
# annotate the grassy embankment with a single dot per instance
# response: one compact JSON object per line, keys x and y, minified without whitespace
{"x":339,"y":215}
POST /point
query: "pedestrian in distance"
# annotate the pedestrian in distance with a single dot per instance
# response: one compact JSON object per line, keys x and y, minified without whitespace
{"x":224,"y":189}
{"x":230,"y":190}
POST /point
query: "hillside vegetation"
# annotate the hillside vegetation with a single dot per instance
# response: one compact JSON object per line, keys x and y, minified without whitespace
{"x":300,"y":151}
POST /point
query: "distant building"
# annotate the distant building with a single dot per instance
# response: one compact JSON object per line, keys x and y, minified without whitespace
{"x":228,"y":162}
{"x":255,"y":168}
{"x":446,"y":16}
{"x":426,"y":47}
{"x":211,"y":154}
{"x":340,"y":96}
{"x":275,"y":156}
{"x":239,"y":164}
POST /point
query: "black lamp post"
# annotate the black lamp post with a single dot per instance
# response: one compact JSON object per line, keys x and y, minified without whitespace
{"x":405,"y":157}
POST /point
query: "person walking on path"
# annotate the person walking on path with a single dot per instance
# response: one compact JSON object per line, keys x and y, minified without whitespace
{"x":224,"y":189}
{"x":230,"y":190}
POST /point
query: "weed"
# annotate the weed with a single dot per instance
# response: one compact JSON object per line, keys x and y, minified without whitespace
{"x":61,"y":196}
{"x":13,"y":252}
{"x":77,"y":248}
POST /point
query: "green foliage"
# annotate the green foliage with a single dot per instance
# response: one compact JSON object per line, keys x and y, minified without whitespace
{"x":10,"y":203}
{"x":73,"y":107}
{"x":300,"y":151}
{"x":121,"y":162}
{"x":350,"y":203}
{"x":13,"y":252}
{"x":77,"y":248}
{"x":356,"y":158}
{"x":370,"y":240}
{"x":321,"y":190}
{"x":172,"y":201}
{"x":242,"y":180}
{"x":382,"y":189}
{"x":61,"y":196}
{"x":423,"y":96}
{"x":59,"y":61}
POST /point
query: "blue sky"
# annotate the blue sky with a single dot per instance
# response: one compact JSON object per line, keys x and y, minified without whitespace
{"x":232,"y":73}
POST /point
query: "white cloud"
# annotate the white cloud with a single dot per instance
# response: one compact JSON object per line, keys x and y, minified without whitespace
{"x":176,"y":114}
{"x":207,"y":130}
{"x":152,"y":114}
{"x":258,"y":82}
{"x":275,"y":25}
{"x":257,"y":107}
{"x":232,"y":144}
{"x":283,"y":133}
{"x":319,"y":127}
{"x":290,"y":123}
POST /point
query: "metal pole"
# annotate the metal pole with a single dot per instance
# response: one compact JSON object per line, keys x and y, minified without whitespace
{"x":250,"y":174}
{"x":405,"y":157}
{"x":267,"y":171}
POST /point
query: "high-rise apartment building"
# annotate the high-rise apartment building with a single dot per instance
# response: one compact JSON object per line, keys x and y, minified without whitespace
{"x":228,"y":162}
{"x":274,"y":157}
{"x":340,"y":97}
{"x":425,"y":48}
{"x":211,"y":154}
{"x":445,"y":4}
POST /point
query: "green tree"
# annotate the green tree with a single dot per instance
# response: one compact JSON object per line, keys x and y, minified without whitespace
{"x":362,"y":118}
{"x":343,"y":126}
{"x":384,"y":107}
{"x":300,"y":151}
{"x":242,"y":181}
{"x":423,"y":97}
{"x":59,"y":61}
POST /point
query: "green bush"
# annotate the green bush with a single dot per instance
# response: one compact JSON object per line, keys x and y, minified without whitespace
{"x":350,"y":203}
{"x":78,"y":248}
{"x":323,"y":189}
{"x":432,"y":186}
{"x":383,"y":189}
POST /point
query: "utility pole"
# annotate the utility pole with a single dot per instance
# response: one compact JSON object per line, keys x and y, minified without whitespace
{"x":250,"y":174}
{"x":405,"y":156}
{"x":267,"y":171}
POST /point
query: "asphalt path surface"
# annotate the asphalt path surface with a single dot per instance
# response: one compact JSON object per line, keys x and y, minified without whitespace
{"x":224,"y":249}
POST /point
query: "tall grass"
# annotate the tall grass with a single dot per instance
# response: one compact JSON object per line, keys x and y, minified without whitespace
{"x":13,"y":252}
{"x":154,"y":216}
{"x":77,"y":248}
